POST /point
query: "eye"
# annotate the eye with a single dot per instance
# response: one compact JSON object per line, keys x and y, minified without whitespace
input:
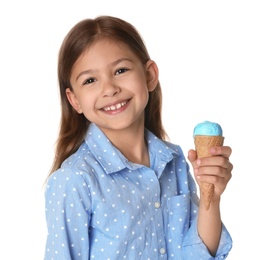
{"x":89,"y":81}
{"x":122,"y":70}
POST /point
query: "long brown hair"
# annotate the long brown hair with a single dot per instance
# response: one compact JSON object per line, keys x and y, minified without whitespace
{"x":73,"y":126}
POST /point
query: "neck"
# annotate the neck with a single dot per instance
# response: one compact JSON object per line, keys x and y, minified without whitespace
{"x":132,"y":144}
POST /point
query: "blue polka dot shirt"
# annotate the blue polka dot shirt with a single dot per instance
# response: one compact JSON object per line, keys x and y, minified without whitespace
{"x":101,"y":206}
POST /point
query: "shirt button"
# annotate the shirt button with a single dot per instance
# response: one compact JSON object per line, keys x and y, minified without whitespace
{"x":157,"y":205}
{"x":162,"y":251}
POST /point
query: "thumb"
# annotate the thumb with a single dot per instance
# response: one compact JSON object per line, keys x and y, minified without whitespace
{"x":192,"y":155}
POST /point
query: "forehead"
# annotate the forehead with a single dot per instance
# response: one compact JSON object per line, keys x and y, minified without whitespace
{"x":106,"y":46}
{"x":105,"y":49}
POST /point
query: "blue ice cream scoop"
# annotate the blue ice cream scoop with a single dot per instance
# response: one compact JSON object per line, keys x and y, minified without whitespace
{"x":208,"y":128}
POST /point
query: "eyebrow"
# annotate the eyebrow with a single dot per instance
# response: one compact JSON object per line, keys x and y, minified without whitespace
{"x":112,"y":63}
{"x":82,"y":73}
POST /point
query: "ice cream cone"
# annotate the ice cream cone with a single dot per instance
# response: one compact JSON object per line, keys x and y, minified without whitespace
{"x":202,"y":145}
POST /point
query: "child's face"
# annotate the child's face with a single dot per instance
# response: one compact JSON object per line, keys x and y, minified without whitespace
{"x":111,"y":85}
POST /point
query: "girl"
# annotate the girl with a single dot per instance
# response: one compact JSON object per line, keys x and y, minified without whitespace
{"x":118,"y":189}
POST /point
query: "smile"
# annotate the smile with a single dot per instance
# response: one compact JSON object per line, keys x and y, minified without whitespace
{"x":116,"y":106}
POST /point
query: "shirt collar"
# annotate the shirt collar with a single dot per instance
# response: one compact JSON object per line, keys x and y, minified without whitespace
{"x":112,"y":160}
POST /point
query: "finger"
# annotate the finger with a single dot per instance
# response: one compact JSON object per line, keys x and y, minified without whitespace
{"x":218,"y":161}
{"x":224,"y":151}
{"x":205,"y":172}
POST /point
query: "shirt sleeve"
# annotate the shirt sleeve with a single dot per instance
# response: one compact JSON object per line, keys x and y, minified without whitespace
{"x":67,"y":215}
{"x":194,"y":248}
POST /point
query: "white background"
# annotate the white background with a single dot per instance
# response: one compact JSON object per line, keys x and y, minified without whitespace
{"x":208,"y":56}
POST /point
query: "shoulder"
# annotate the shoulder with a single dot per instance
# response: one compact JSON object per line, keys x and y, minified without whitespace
{"x":65,"y":181}
{"x":166,"y":148}
{"x":73,"y":170}
{"x":174,"y":147}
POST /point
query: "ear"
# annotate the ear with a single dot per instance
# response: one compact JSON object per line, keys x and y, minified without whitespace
{"x":152,"y":75}
{"x":73,"y":100}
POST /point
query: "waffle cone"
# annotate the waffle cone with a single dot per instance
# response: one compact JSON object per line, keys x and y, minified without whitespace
{"x":202,"y":145}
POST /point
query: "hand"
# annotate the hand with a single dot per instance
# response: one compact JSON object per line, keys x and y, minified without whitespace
{"x":215,"y":169}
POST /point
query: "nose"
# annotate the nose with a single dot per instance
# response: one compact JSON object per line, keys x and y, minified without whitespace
{"x":109,"y":89}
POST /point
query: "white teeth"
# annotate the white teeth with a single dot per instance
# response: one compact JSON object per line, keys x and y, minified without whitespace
{"x":114,"y":107}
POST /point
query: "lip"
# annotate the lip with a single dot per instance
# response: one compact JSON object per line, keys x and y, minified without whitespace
{"x":116,"y":107}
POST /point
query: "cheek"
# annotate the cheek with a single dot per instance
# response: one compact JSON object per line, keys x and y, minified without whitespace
{"x":143,"y":90}
{"x":85,"y":104}
{"x":88,"y":103}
